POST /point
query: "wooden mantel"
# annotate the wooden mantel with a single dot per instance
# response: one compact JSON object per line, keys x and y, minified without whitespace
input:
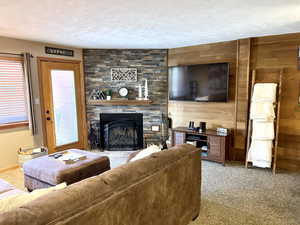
{"x":119,"y":102}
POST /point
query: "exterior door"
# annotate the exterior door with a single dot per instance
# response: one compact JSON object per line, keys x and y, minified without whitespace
{"x":62,"y":105}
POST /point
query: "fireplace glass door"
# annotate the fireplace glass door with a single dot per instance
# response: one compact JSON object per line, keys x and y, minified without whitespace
{"x":121,"y":134}
{"x":121,"y":131}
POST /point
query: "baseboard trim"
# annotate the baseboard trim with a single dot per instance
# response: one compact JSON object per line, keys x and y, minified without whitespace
{"x":9,"y":168}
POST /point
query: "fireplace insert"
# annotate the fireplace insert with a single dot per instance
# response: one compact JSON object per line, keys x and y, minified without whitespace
{"x":121,"y":131}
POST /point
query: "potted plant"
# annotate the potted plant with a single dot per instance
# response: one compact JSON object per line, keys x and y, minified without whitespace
{"x":108,"y":93}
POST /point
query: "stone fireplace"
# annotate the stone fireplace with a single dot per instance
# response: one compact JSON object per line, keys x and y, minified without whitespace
{"x":151,"y":64}
{"x":121,"y":131}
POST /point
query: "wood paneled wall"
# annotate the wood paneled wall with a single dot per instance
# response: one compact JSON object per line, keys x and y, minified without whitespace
{"x":269,"y":54}
{"x":242,"y":98}
{"x":215,"y":114}
{"x":266,"y":54}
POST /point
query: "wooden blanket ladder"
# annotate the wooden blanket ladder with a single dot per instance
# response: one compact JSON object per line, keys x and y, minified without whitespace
{"x":276,"y":120}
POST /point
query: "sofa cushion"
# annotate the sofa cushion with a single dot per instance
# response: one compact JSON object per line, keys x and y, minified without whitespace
{"x":19,"y":198}
{"x":4,"y":186}
{"x":10,"y":193}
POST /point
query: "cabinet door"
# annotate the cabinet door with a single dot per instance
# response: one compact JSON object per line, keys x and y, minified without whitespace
{"x":214,"y":152}
{"x":178,"y":138}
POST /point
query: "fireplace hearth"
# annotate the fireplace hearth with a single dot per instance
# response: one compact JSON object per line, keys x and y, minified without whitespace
{"x":121,"y":131}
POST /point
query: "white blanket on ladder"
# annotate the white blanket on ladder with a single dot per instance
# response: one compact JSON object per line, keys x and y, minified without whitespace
{"x":260,"y":153}
{"x":263,"y":130}
{"x":262,"y":115}
{"x":264,"y":92}
{"x":262,"y":111}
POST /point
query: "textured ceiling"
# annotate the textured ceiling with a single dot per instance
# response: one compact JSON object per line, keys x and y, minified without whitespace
{"x":145,"y":24}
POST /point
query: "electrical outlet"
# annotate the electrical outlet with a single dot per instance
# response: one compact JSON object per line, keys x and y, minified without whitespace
{"x":155,"y":128}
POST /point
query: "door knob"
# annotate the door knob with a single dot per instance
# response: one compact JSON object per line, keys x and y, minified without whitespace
{"x":48,"y":118}
{"x":47,"y":111}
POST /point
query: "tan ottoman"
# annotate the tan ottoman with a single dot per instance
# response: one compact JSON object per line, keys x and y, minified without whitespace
{"x":46,"y":171}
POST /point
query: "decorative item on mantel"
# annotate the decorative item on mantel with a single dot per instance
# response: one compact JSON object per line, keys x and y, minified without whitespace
{"x":123,"y":74}
{"x":97,"y":94}
{"x":140,"y":96}
{"x":146,"y":93}
{"x":108,"y":93}
{"x":123,"y":92}
{"x":140,"y":91}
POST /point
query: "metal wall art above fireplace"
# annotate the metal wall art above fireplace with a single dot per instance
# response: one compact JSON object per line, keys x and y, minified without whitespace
{"x":121,"y":131}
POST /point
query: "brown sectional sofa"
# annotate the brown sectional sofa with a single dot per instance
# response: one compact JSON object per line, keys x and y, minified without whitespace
{"x":161,"y":189}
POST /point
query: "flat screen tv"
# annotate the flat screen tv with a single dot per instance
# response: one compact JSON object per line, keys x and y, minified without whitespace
{"x":201,"y":83}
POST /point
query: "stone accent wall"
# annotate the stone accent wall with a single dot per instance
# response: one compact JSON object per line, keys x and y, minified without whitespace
{"x":151,"y":64}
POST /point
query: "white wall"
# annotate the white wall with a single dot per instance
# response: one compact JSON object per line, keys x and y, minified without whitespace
{"x":12,"y":139}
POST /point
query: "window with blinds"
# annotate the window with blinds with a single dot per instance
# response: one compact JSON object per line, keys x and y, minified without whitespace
{"x":12,"y":91}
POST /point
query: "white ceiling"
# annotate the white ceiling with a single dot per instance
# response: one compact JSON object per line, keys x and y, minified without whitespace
{"x":145,"y":24}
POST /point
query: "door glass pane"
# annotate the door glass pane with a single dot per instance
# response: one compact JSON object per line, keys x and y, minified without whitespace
{"x":64,"y":106}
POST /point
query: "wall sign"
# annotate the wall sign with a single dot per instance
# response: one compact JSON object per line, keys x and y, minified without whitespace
{"x":59,"y":51}
{"x":123,"y":74}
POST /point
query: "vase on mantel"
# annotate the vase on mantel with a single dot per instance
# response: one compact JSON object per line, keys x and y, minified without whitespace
{"x":140,"y":96}
{"x":146,"y":93}
{"x":108,"y":94}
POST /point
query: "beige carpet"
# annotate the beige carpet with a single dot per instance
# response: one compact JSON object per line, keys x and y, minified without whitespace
{"x":233,"y":195}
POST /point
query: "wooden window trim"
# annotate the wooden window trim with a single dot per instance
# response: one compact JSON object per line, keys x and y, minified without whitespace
{"x":20,"y":59}
{"x":14,"y":125}
{"x":49,"y":59}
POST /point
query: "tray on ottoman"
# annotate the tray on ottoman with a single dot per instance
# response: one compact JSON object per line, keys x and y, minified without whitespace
{"x":46,"y":171}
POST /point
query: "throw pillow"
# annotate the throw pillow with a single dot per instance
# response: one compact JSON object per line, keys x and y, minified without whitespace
{"x":146,"y":152}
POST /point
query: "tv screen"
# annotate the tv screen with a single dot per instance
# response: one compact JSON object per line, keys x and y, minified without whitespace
{"x":201,"y":83}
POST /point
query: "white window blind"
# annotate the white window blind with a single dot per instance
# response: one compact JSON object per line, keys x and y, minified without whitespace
{"x":12,"y":92}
